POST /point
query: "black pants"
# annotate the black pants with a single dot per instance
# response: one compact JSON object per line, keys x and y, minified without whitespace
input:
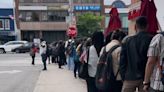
{"x":91,"y":87}
{"x":44,"y":59}
{"x":49,"y":59}
{"x":61,"y":61}
{"x":33,"y":60}
{"x":76,"y":68}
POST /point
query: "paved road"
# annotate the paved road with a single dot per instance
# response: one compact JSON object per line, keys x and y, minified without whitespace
{"x":17,"y":74}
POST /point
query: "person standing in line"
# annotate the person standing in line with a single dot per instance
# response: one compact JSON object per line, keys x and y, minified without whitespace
{"x":43,"y":50}
{"x":62,"y":57}
{"x":93,"y":57}
{"x":69,"y":54}
{"x":112,"y":40}
{"x":48,"y":54}
{"x":155,"y":66}
{"x":33,"y":53}
{"x":133,"y":57}
{"x":77,"y":52}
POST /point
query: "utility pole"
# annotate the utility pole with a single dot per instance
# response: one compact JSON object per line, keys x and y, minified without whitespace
{"x":71,"y":11}
{"x":16,"y":19}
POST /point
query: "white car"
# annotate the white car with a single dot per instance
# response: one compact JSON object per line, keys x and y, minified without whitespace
{"x":7,"y":47}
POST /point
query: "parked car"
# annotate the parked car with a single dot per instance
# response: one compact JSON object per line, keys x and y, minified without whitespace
{"x":7,"y":47}
{"x":24,"y":48}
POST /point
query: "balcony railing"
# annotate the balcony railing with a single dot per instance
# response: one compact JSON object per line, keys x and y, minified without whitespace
{"x":47,"y":26}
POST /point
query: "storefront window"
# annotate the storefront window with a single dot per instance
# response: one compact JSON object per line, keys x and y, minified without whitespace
{"x":7,"y":24}
{"x":1,"y":24}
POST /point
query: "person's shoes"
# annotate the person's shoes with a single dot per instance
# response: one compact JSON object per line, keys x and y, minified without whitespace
{"x":60,"y":68}
{"x":33,"y":64}
{"x":44,"y":69}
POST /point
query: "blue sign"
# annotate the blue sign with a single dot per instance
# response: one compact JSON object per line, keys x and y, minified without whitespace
{"x":87,"y":8}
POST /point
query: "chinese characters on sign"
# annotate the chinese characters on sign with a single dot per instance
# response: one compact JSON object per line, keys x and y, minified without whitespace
{"x":87,"y":8}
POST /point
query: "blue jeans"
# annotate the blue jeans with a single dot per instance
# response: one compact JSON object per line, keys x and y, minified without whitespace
{"x":70,"y":63}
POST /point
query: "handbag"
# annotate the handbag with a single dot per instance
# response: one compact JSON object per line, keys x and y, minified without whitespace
{"x":32,"y":52}
{"x":83,"y":71}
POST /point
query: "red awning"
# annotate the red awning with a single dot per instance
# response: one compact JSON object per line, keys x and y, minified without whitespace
{"x":114,"y":23}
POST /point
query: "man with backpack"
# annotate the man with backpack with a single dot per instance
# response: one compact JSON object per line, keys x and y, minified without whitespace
{"x":113,"y":79}
{"x":69,"y":53}
{"x":133,"y":57}
{"x":154,"y":74}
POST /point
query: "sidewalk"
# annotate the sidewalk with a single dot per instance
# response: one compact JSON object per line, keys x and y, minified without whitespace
{"x":59,"y":80}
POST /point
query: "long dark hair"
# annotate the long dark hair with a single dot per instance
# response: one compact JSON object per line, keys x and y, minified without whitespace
{"x":98,"y":41}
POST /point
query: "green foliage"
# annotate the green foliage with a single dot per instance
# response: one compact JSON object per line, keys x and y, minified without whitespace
{"x":88,"y":24}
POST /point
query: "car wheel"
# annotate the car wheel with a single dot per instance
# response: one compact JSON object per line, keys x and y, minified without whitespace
{"x":17,"y":51}
{"x":2,"y":51}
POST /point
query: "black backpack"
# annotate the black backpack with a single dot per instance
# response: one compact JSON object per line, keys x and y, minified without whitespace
{"x":69,"y":48}
{"x":105,"y":77}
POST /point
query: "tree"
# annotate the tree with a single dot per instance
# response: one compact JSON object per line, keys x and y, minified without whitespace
{"x":88,"y":24}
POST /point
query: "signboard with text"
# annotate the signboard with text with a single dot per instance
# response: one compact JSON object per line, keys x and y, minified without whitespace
{"x":87,"y":8}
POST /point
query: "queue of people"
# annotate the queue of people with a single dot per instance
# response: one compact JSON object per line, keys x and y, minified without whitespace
{"x":121,"y":63}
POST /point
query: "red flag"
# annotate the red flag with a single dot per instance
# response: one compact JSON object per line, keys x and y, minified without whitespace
{"x":149,"y":10}
{"x":114,"y":23}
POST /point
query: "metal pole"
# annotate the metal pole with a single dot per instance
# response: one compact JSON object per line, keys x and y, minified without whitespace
{"x":71,"y":10}
{"x":17,"y":31}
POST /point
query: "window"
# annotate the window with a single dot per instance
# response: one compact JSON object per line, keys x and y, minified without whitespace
{"x":7,"y":24}
{"x":119,"y":4}
{"x":1,"y":24}
{"x":57,"y":15}
{"x":28,"y":16}
{"x":26,"y":1}
{"x":22,"y":16}
{"x":44,"y":16}
{"x":35,"y":16}
{"x":125,"y":22}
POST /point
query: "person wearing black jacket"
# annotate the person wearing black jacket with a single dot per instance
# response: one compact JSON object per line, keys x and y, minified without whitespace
{"x":62,"y":57}
{"x":133,"y":57}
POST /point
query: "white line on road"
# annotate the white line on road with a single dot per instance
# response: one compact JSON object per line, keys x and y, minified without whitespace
{"x":10,"y":72}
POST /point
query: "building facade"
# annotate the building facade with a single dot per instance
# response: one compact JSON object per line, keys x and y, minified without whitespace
{"x":7,"y":28}
{"x":134,"y":11}
{"x":43,"y":19}
{"x":122,"y":6}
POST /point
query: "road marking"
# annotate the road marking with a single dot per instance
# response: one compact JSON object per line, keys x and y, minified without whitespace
{"x":10,"y":72}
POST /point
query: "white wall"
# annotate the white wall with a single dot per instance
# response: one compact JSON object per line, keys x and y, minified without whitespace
{"x":109,"y":2}
{"x":160,"y":12}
